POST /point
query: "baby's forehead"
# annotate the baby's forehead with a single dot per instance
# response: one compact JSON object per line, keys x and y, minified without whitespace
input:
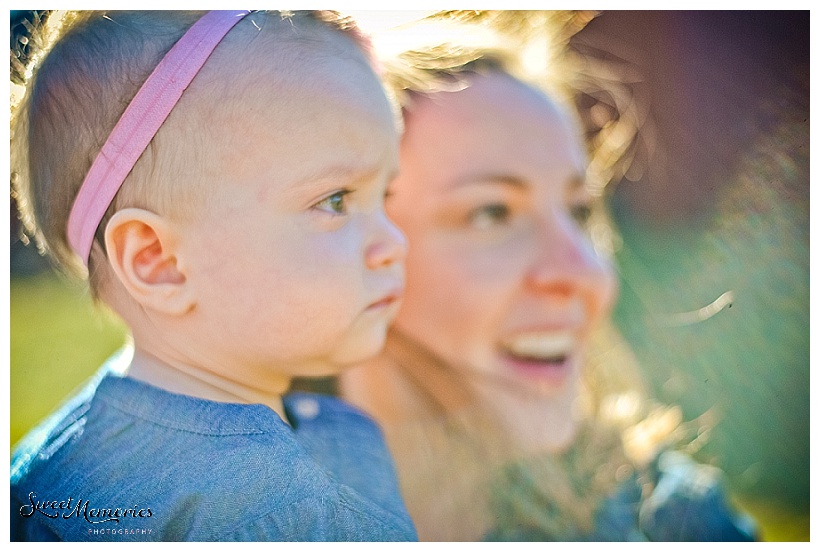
{"x":302,"y":50}
{"x":273,"y":100}
{"x":279,"y":65}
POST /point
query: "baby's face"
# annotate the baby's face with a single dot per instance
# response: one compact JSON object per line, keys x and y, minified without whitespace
{"x":297,"y":268}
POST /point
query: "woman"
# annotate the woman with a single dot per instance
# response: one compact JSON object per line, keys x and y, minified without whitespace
{"x":499,"y":427}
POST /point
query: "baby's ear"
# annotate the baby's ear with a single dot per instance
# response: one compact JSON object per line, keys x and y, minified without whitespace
{"x":141,"y":249}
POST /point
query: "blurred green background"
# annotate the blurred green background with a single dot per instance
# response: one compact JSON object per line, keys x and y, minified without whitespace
{"x":58,"y":339}
{"x":716,"y":201}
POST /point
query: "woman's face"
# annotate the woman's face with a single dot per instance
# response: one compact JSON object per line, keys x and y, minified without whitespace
{"x":502,"y":279}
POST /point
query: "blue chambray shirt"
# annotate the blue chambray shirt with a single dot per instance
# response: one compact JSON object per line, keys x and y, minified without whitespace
{"x":126,"y":461}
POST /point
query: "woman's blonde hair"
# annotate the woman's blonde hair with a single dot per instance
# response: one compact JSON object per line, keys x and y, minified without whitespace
{"x":621,"y":429}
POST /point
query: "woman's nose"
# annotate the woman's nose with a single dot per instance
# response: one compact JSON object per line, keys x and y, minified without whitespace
{"x":388,"y":245}
{"x":566,"y":263}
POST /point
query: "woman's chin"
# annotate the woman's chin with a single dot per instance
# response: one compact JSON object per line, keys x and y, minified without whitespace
{"x":536,"y":424}
{"x":531,"y":441}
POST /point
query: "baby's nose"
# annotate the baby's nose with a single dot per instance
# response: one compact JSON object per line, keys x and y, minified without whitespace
{"x":387,"y":246}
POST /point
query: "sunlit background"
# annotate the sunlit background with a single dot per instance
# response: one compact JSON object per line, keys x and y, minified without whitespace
{"x":720,"y":204}
{"x":713,"y":212}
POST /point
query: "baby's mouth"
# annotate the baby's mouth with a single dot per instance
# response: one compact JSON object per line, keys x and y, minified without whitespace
{"x":388,"y":300}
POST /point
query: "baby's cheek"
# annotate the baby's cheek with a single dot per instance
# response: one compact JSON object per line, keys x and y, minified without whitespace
{"x":329,"y":299}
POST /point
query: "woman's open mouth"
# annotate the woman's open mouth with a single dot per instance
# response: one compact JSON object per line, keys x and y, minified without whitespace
{"x":543,"y":355}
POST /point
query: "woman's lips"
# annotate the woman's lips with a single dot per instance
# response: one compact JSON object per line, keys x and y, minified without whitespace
{"x":543,"y":355}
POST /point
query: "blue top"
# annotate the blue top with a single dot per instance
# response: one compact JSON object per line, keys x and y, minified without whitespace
{"x":124,"y":460}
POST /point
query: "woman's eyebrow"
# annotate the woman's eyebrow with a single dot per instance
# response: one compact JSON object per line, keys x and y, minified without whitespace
{"x":574,"y":181}
{"x":490,"y":178}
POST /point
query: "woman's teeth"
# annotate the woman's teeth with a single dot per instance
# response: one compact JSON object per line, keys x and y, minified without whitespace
{"x":544,"y":346}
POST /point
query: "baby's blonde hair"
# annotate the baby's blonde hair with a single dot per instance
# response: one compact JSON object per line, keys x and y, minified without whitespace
{"x":87,"y":68}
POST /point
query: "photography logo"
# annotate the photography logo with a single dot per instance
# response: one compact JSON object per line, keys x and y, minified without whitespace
{"x":81,"y":509}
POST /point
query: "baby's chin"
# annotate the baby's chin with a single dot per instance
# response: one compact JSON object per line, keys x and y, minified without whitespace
{"x":367,"y":346}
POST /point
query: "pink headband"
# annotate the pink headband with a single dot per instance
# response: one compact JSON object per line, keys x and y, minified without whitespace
{"x":140,"y":122}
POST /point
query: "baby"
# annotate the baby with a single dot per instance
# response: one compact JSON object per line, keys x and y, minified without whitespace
{"x":221,"y":178}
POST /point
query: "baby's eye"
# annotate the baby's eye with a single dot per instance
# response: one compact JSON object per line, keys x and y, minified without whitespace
{"x":489,"y":215}
{"x":334,"y":204}
{"x":581,"y":212}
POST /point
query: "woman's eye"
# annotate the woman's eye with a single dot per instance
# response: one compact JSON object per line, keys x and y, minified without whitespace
{"x":334,"y":204}
{"x":490,"y":215}
{"x":581,"y":213}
